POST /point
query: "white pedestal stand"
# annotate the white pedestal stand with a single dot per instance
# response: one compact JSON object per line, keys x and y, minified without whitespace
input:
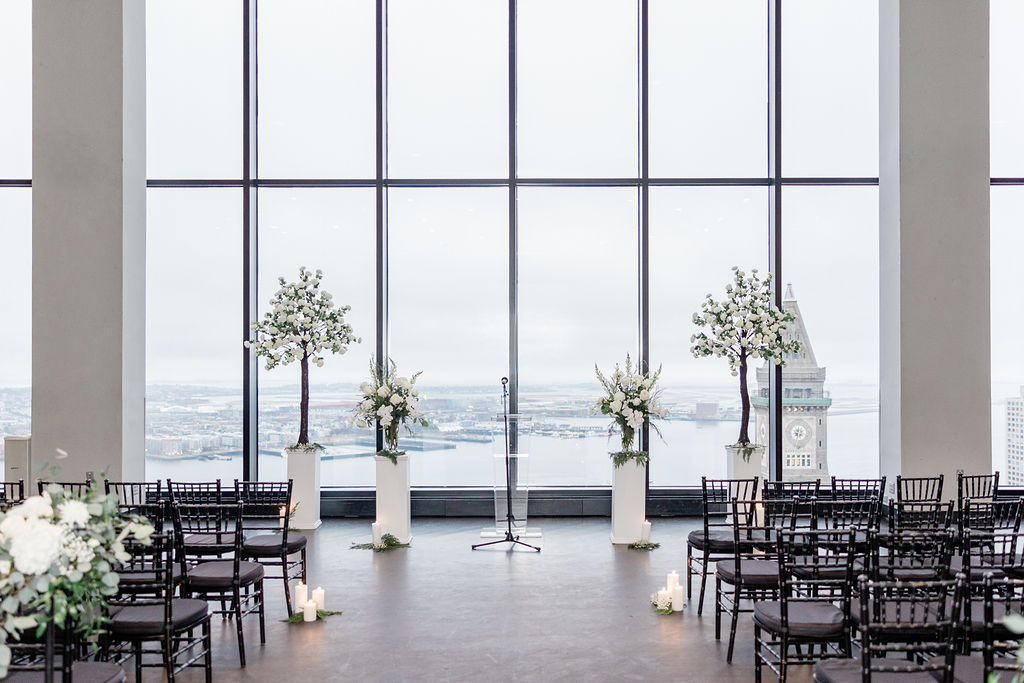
{"x":629,"y":502}
{"x":304,"y":471}
{"x":738,"y":468}
{"x":393,"y":505}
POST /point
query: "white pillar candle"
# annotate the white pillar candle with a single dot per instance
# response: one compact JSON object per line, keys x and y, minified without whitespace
{"x":318,"y":597}
{"x":301,"y":596}
{"x":377,"y":533}
{"x":645,"y":532}
{"x":673,"y":580}
{"x":309,"y":611}
{"x":677,"y":598}
{"x":280,"y":522}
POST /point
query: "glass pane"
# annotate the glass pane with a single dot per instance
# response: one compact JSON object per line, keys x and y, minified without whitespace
{"x":194,"y":334}
{"x":708,"y":88}
{"x":448,"y":298}
{"x":16,"y":312}
{"x":697,"y":235}
{"x":830,"y":88}
{"x":577,"y":88}
{"x":1006,"y":68}
{"x":317,"y":89}
{"x":16,"y":89}
{"x":194,"y":88}
{"x":830,"y":392}
{"x":333,"y":230}
{"x":448,"y":89}
{"x":577,"y":307}
{"x":1007,"y":330}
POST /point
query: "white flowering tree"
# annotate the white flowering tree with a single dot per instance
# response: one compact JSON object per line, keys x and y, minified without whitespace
{"x":303,"y":324}
{"x":631,"y":399}
{"x":389,"y":401}
{"x":745,"y":325}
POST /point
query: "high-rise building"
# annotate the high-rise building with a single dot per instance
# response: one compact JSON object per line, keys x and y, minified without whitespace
{"x":804,"y":405}
{"x":1015,"y":439}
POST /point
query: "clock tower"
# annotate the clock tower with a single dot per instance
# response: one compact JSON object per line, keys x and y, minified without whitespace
{"x":804,"y":405}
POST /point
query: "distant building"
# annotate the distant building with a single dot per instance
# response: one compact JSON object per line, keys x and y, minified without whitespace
{"x":1015,"y":439}
{"x":804,"y":405}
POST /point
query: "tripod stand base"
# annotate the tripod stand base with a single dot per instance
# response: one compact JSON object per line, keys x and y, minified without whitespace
{"x":509,"y":538}
{"x":527,"y":533}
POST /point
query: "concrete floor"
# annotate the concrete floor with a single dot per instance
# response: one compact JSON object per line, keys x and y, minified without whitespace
{"x":578,"y":611}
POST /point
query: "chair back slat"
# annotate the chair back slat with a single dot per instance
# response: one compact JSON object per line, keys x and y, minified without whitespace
{"x":1007,"y":593}
{"x":204,"y":529}
{"x":78,"y":489}
{"x":975,"y":486}
{"x":136,"y":492}
{"x":911,"y":555}
{"x":266,"y":505}
{"x":861,"y":514}
{"x":920,"y":516}
{"x":195,"y":492}
{"x":858,"y":489}
{"x":11,"y":493}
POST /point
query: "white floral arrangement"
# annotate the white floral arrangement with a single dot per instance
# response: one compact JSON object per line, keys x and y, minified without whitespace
{"x":303,"y":324}
{"x":58,"y":558}
{"x":662,"y":601}
{"x":631,"y":399}
{"x":390,"y":401}
{"x":745,"y":325}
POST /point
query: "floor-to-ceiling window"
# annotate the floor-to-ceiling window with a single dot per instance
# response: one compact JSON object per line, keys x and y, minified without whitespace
{"x":15,"y":218}
{"x":1007,"y":163}
{"x":522,"y":189}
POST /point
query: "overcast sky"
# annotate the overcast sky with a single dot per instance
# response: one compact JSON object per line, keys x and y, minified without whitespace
{"x":448,"y":118}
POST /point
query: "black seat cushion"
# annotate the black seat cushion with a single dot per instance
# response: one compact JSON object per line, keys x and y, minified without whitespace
{"x":269,"y":545}
{"x":907,"y":570}
{"x":755,"y":573}
{"x":976,"y":611}
{"x":971,"y":668}
{"x":81,"y":672}
{"x":836,"y":570}
{"x":806,"y":619}
{"x":220,"y":575}
{"x":148,"y":620}
{"x":848,"y":671}
{"x":130,"y":578}
{"x":901,"y":624}
{"x":209,"y":544}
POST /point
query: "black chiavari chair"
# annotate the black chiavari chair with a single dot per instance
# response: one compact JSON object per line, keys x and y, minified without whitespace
{"x":919,"y":516}
{"x":813,"y":609}
{"x":266,"y":511}
{"x":911,"y":555}
{"x":234,"y":581}
{"x":195,"y":492}
{"x":136,"y":492}
{"x":858,"y":489}
{"x":11,"y":493}
{"x":52,"y":657}
{"x":914,"y":620}
{"x":715,"y":540}
{"x":78,"y":489}
{"x":986,"y":553}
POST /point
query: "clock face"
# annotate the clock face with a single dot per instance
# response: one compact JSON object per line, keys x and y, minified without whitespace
{"x":798,"y":433}
{"x":763,"y":430}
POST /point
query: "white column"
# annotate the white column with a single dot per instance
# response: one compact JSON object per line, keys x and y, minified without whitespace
{"x":89,"y":235}
{"x":934,"y":232}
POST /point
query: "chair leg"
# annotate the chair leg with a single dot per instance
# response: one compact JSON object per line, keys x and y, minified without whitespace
{"x":689,"y":571}
{"x":137,"y":652}
{"x":784,"y":657}
{"x":263,"y":627}
{"x":208,"y":654}
{"x":757,"y":653}
{"x":703,"y":581}
{"x":168,"y":643}
{"x":732,"y":626}
{"x":304,"y":579}
{"x":238,"y":626}
{"x":718,"y":608}
{"x":287,"y":584}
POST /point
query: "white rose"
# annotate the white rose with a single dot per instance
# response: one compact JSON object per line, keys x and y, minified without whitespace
{"x":361,"y":424}
{"x":644,"y":395}
{"x":36,"y":547}
{"x":619,"y":396}
{"x":73,"y":513}
{"x":615,"y":406}
{"x":396,"y":399}
{"x":383,"y":391}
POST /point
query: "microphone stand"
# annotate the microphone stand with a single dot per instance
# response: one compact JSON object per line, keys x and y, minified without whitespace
{"x":509,"y":517}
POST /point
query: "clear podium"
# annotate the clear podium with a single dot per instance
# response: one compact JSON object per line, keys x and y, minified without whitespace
{"x":514,"y":469}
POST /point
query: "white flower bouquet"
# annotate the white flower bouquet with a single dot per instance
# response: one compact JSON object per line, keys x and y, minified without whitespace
{"x":631,"y":399}
{"x":303,"y":324}
{"x":58,"y":559}
{"x":745,"y":325}
{"x":389,"y":401}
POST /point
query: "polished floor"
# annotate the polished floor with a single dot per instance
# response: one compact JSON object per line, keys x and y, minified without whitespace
{"x":578,"y":611}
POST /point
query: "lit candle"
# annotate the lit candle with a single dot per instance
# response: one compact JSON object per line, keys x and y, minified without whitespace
{"x":645,"y":533}
{"x":673,"y":580}
{"x":318,"y":597}
{"x":301,"y":596}
{"x":309,"y":611}
{"x":377,"y":533}
{"x":280,"y":522}
{"x":677,"y":598}
{"x":664,"y":598}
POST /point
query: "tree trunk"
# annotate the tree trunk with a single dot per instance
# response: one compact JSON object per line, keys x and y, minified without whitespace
{"x":744,"y":400}
{"x":304,"y":403}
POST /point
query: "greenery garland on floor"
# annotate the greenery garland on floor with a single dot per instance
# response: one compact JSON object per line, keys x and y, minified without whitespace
{"x":299,"y":617}
{"x":644,"y":545}
{"x":387,"y":542}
